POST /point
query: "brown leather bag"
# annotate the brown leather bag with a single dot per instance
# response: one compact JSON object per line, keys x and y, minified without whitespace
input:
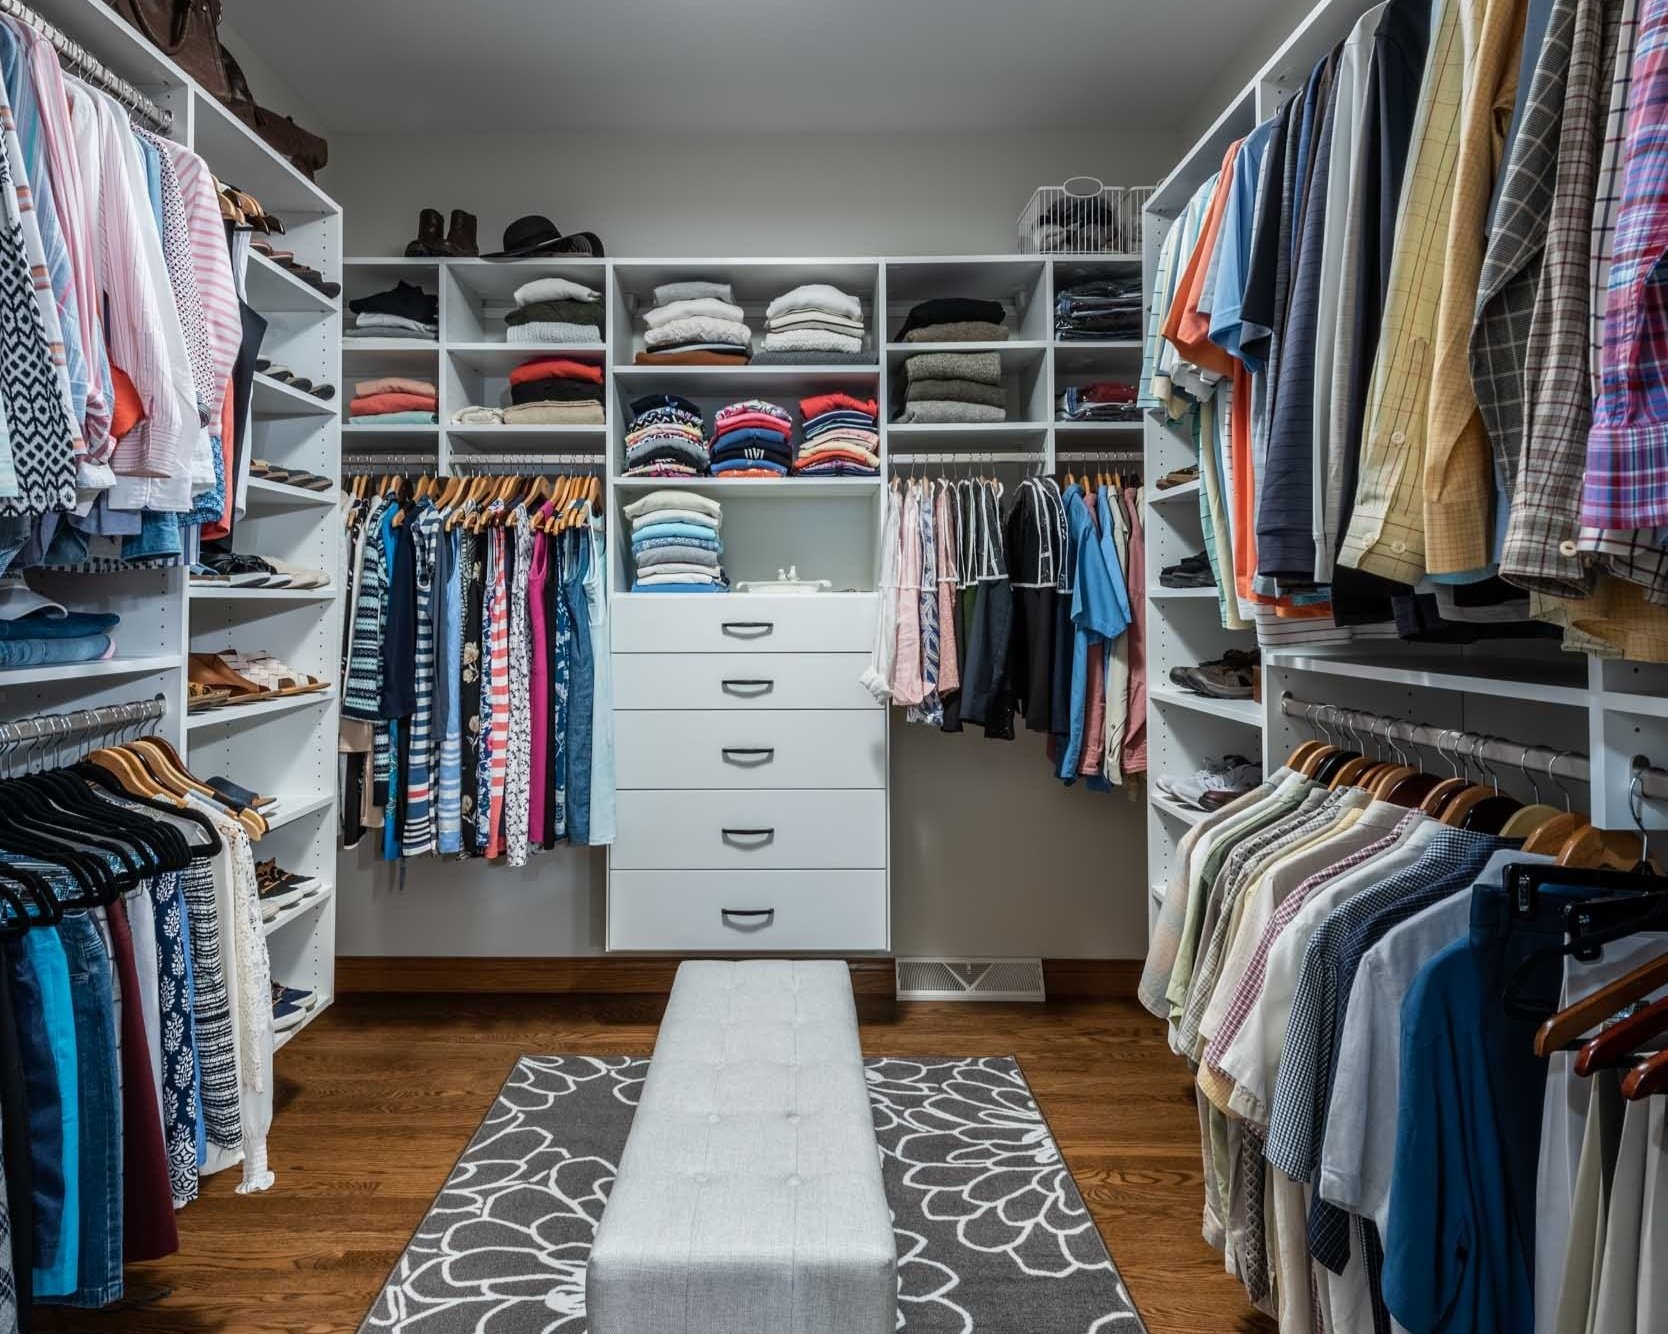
{"x":308,"y":152}
{"x":187,"y":31}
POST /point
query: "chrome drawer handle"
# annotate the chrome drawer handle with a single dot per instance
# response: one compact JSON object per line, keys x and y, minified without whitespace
{"x":748,"y":629}
{"x":743,"y":686}
{"x":749,"y":754}
{"x":767,"y":914}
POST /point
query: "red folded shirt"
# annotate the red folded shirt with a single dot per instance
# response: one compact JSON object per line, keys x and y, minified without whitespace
{"x":548,"y":368}
{"x":818,"y":404}
{"x":372,"y":405}
{"x":762,"y":420}
{"x":840,"y":455}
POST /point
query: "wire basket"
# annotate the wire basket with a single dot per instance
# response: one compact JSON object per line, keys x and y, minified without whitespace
{"x":1083,"y":217}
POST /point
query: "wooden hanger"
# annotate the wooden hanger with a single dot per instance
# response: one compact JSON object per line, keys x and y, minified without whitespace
{"x":1589,"y":1012}
{"x":1352,"y":772}
{"x":1622,"y":1041}
{"x":1552,"y":834}
{"x":1389,"y":776}
{"x":1300,"y":754}
{"x":130,"y":774}
{"x":1646,"y":1079}
{"x":162,"y":755}
{"x":1456,"y":807}
{"x":1527,"y":820}
{"x":1603,"y":849}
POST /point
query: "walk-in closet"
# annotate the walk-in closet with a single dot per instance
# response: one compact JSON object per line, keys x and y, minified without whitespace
{"x":864,"y":668}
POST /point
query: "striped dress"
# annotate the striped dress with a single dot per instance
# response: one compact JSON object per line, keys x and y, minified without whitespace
{"x":448,"y":818}
{"x":417,"y":836}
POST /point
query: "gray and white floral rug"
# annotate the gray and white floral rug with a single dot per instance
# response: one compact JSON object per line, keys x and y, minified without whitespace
{"x":992,"y":1233}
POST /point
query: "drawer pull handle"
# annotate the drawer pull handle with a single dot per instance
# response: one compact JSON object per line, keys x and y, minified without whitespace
{"x":747,"y":833}
{"x":749,"y":754}
{"x":745,"y":686}
{"x":768,"y":916}
{"x":748,"y":629}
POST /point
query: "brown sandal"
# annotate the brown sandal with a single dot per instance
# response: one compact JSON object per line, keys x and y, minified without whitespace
{"x":214,"y":672}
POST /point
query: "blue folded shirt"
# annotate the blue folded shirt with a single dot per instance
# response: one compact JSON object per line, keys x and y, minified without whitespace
{"x":16,"y":653}
{"x":678,"y":529}
{"x":71,"y":626}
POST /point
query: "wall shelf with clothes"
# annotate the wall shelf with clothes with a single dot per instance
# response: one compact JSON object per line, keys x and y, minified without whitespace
{"x":227,"y":486}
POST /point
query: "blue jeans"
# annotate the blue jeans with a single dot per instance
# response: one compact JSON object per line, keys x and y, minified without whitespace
{"x":99,"y":1268}
{"x":50,"y":652}
{"x":72,"y":626}
{"x":38,"y":1251}
{"x":581,"y":694}
{"x":57,"y":1259}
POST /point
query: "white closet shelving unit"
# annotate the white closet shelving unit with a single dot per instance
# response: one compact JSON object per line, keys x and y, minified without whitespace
{"x":673,"y":655}
{"x":284,"y":748}
{"x":1530,"y":693}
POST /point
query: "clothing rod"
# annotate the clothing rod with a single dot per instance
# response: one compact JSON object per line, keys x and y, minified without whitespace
{"x":1098,"y":455}
{"x":370,"y":463}
{"x":971,"y":456}
{"x":88,"y":67}
{"x":82,"y":723}
{"x":1463,"y":746}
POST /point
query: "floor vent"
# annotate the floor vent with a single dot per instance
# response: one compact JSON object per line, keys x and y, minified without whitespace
{"x":970,"y":979}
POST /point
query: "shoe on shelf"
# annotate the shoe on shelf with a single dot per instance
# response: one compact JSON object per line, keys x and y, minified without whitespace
{"x":232,"y":569}
{"x":1194,"y":572}
{"x":460,"y":239}
{"x":274,"y":675}
{"x":431,"y":236}
{"x":1180,"y":477}
{"x":290,"y":1006}
{"x":1232,"y":676}
{"x":279,"y":889}
{"x":1235,"y":774}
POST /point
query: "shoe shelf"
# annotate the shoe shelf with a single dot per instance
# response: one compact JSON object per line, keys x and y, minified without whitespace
{"x":1247,"y":712}
{"x":1186,"y":491}
{"x":280,"y":495}
{"x":105,"y":670}
{"x":1163,"y":594}
{"x":271,"y":288}
{"x":260,"y":710}
{"x":221,"y":593}
{"x":1187,"y":816}
{"x":296,"y":912}
{"x":274,"y":398}
{"x":289,"y":1035}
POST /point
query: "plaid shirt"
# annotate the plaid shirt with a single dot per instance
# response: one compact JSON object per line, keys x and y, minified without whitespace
{"x":1539,"y":552}
{"x":1627,"y":451}
{"x":1512,"y":267}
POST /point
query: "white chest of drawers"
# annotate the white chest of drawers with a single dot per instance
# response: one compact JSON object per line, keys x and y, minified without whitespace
{"x":752,"y":774}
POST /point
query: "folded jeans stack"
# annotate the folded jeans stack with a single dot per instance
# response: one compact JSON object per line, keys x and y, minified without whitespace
{"x":404,"y":311}
{"x":953,"y":387}
{"x":555,"y":310}
{"x":839,"y":437}
{"x":37,"y":632}
{"x":1101,"y":401}
{"x":394,"y":400}
{"x":814,"y":318}
{"x":675,"y":543}
{"x":555,"y":391}
{"x":752,"y":438}
{"x":666,"y":438}
{"x":695,"y":324}
{"x":1112,"y":308}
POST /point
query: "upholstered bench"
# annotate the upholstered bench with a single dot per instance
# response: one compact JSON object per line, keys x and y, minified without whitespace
{"x":749,"y":1198}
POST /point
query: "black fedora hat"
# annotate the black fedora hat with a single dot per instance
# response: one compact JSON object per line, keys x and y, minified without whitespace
{"x":536,"y":234}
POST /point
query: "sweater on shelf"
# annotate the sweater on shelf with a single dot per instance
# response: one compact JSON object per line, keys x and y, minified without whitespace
{"x":585,"y":413}
{"x":676,"y":554}
{"x":960,"y":391}
{"x":949,"y":412}
{"x":814,"y":317}
{"x":693,"y":290}
{"x":665,"y":429}
{"x":554,"y":289}
{"x":699,"y":308}
{"x":699,"y":329}
{"x":958,"y":331}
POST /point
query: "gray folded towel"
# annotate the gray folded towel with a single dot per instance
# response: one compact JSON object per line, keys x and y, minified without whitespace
{"x":956,"y":391}
{"x":947,"y":412}
{"x":985,"y":367}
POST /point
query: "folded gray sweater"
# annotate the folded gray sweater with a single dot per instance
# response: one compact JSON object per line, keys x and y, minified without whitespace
{"x":985,"y":367}
{"x":956,"y":391}
{"x":947,"y":412}
{"x":962,"y":331}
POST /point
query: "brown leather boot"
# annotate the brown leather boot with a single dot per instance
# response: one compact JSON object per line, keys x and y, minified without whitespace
{"x":460,"y":240}
{"x":431,"y":236}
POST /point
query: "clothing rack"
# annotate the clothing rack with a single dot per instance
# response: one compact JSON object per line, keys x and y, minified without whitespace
{"x":378,"y":463}
{"x":1456,"y":745}
{"x":83,"y":64}
{"x":80,"y":726}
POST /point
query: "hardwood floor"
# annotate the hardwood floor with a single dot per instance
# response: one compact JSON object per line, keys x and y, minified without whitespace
{"x":377,"y":1099}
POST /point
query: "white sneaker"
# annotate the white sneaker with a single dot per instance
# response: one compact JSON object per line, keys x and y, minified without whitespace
{"x":1233,"y":774}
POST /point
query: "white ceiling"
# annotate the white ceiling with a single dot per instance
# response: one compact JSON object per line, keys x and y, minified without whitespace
{"x":732,"y":66}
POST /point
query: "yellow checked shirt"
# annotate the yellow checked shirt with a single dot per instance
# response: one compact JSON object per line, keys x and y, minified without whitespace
{"x":1386,"y":534}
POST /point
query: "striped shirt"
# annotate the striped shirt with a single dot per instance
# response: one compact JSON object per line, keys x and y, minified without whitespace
{"x":417,"y":835}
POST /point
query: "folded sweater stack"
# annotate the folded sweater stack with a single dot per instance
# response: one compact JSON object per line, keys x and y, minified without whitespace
{"x":555,"y":310}
{"x":394,"y":400}
{"x":814,"y":318}
{"x":404,"y":311}
{"x":695,"y":323}
{"x":839,"y":437}
{"x":752,"y":438}
{"x":666,"y":438}
{"x":675,"y":543}
{"x":953,"y":387}
{"x":555,"y":391}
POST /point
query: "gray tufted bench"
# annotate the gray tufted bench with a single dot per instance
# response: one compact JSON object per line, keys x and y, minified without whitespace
{"x":749,"y":1198}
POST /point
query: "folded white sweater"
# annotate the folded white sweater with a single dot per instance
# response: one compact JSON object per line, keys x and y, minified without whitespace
{"x":699,"y":330}
{"x":816,"y":296}
{"x":673,"y":499}
{"x":700,"y":308}
{"x":811,"y":340}
{"x":554,"y":289}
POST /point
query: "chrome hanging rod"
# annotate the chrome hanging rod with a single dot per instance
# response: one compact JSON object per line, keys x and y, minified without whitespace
{"x":79,"y":61}
{"x":969,"y":456}
{"x":80,"y":726}
{"x":1460,"y":746}
{"x":490,"y":461}
{"x":1098,"y":456}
